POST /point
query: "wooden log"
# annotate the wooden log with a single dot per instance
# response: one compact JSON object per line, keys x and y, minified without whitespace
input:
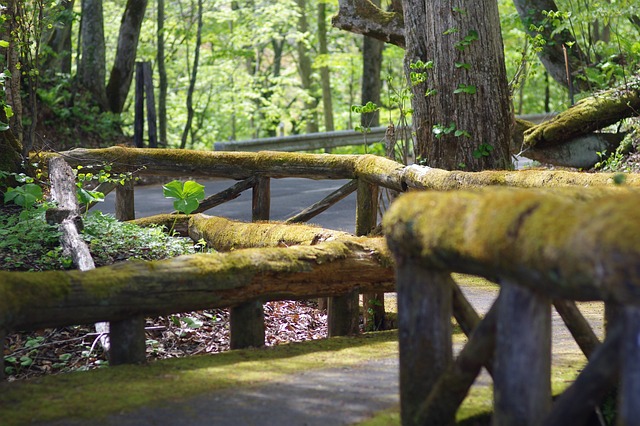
{"x":589,"y":114}
{"x":593,"y":383}
{"x":374,"y":169}
{"x":127,"y":341}
{"x":322,"y":205}
{"x":261,"y":201}
{"x":629,"y":394}
{"x":424,"y":333}
{"x":223,"y":196}
{"x":125,"y":202}
{"x":454,"y":384}
{"x":581,"y":251}
{"x":3,"y":337}
{"x":31,"y":300}
{"x":224,"y":234}
{"x":522,"y":370}
{"x":577,"y":325}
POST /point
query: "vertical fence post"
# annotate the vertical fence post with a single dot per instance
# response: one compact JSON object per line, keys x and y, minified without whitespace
{"x":127,"y":341}
{"x":424,"y":332}
{"x":629,"y":397}
{"x":138,"y":121}
{"x":522,"y":369}
{"x":3,"y":337}
{"x":247,"y":320}
{"x":366,"y":221}
{"x":125,"y":202}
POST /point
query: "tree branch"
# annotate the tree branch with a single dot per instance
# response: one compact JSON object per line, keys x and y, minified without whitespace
{"x":363,"y":17}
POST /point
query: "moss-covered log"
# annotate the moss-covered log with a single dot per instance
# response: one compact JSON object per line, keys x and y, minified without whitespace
{"x":589,"y":114}
{"x":225,"y":235}
{"x":30,"y":300}
{"x":374,"y":169}
{"x":547,"y":241}
{"x":364,"y":17}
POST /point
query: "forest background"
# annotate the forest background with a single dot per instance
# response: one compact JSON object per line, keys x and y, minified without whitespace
{"x":236,"y":70}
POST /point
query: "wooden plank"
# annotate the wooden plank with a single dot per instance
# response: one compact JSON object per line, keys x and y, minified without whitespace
{"x":261,"y":201}
{"x":577,"y":325}
{"x":127,"y":341}
{"x":629,"y":396}
{"x":322,"y":205}
{"x":424,"y":332}
{"x":125,"y":201}
{"x":522,"y":370}
{"x":594,"y":382}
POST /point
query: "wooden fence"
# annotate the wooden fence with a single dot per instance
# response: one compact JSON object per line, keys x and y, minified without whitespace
{"x":124,"y":294}
{"x":543,"y":249}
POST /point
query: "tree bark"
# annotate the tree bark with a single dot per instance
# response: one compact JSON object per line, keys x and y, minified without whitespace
{"x":162,"y":77}
{"x":363,"y":17}
{"x":92,"y":67}
{"x":58,"y":39}
{"x":325,"y":75}
{"x":371,"y":83}
{"x":193,"y":79}
{"x":123,"y":65}
{"x":463,"y":48}
{"x":305,"y":71}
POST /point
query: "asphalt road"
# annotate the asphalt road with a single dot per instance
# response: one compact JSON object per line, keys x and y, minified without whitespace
{"x":288,"y":197}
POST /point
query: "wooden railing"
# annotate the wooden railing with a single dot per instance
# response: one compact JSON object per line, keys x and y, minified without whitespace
{"x":543,"y":248}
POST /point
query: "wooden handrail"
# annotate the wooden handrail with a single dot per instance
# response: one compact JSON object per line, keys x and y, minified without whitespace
{"x":539,"y":246}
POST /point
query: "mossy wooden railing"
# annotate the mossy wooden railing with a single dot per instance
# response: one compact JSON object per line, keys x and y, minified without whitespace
{"x":542,"y":248}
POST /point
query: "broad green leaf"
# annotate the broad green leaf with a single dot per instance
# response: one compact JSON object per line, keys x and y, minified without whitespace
{"x":173,"y":189}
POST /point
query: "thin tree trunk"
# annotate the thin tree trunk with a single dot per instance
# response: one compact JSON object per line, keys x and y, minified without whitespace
{"x":91,"y":69}
{"x":371,"y":83}
{"x":162,"y":75}
{"x":325,"y":76}
{"x":193,"y":79}
{"x":123,"y":65}
{"x":304,"y":67}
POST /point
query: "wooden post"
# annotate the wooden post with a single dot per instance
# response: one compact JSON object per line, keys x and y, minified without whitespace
{"x":424,"y":330}
{"x":522,"y":370}
{"x":341,"y":320}
{"x":629,"y":396}
{"x":151,"y":105}
{"x":138,"y":121}
{"x":366,"y":221}
{"x":127,"y":341}
{"x":247,"y":320}
{"x":125,"y":203}
{"x":247,"y":325}
{"x":3,"y":336}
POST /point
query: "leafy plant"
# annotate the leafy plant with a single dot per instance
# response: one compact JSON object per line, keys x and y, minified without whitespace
{"x":471,"y":36}
{"x":466,"y":88}
{"x":186,"y":195}
{"x":483,"y":150}
{"x":440,"y":130}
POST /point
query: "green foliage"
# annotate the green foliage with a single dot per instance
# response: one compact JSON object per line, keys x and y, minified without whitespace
{"x":466,"y":88}
{"x":440,"y":130}
{"x":471,"y":36}
{"x":418,"y":73}
{"x":186,"y":195}
{"x":483,"y":150}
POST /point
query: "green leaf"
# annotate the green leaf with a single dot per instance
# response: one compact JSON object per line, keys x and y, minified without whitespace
{"x":4,"y":43}
{"x":173,"y":189}
{"x":463,"y":65}
{"x":193,"y":189}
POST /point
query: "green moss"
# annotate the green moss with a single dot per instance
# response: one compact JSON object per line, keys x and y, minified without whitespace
{"x":117,"y":389}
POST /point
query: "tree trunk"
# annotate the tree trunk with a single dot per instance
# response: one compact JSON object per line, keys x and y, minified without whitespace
{"x":552,"y":54}
{"x":58,"y":40}
{"x":462,"y":112}
{"x":325,"y":76}
{"x":92,"y":66}
{"x":371,"y":83}
{"x":162,"y":76}
{"x":305,"y":70}
{"x":192,"y":79}
{"x":123,"y":65}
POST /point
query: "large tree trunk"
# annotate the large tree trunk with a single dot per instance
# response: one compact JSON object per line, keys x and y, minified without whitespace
{"x":551,"y":53}
{"x":464,"y":47}
{"x":91,"y":69}
{"x":122,"y":71}
{"x":371,"y":83}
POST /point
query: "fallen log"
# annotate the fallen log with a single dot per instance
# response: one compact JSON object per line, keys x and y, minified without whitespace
{"x":593,"y":113}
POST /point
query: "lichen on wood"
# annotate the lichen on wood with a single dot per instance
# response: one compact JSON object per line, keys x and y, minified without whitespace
{"x":572,"y":247}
